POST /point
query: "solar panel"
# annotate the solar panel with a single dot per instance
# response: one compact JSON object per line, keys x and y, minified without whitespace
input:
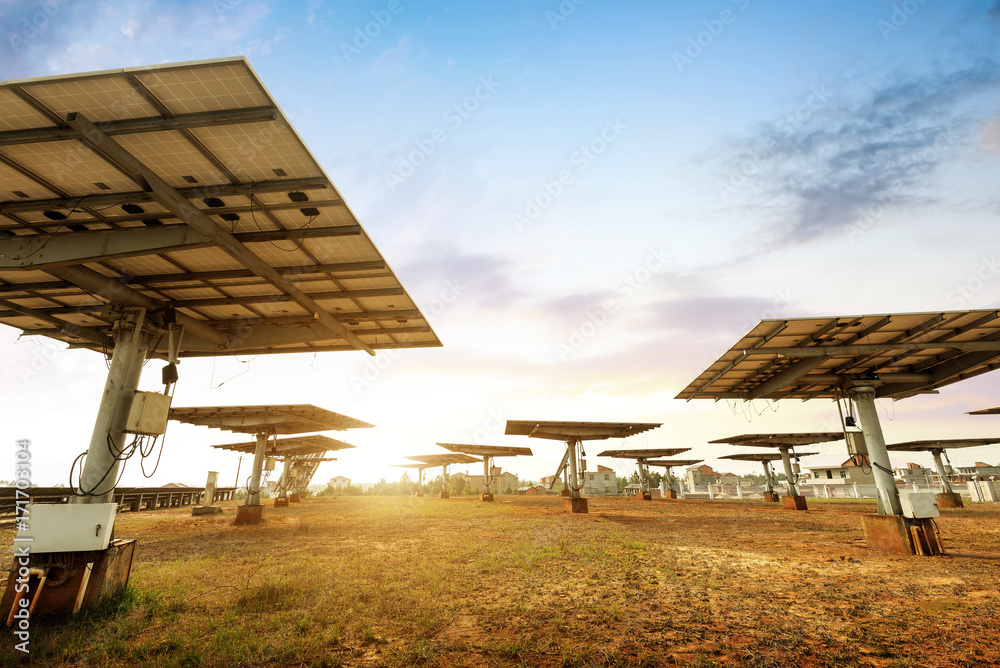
{"x":486,"y":450}
{"x":286,"y":419}
{"x":184,"y":189}
{"x":291,"y":447}
{"x":781,"y":440}
{"x":673,"y":462}
{"x":444,"y":460}
{"x":900,"y":355}
{"x":941,"y":444}
{"x":644,"y":453}
{"x":560,"y":431}
{"x":762,"y":456}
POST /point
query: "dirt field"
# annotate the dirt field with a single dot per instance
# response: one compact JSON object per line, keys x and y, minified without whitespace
{"x":405,"y":581}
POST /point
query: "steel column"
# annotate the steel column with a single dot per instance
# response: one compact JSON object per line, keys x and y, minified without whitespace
{"x":789,"y":474}
{"x":253,"y":489}
{"x":942,"y":475}
{"x":100,"y":472}
{"x":864,"y":399}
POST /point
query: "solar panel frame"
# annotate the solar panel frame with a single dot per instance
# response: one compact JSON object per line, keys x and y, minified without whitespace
{"x":276,"y":419}
{"x":901,"y":355}
{"x":208,"y":129}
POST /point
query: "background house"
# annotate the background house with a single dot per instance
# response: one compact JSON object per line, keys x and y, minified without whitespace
{"x":339,"y":481}
{"x":835,"y":472}
{"x":700,"y":475}
{"x":601,"y":481}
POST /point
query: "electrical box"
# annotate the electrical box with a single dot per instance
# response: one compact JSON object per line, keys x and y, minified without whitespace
{"x":148,"y":415}
{"x":269,"y":464}
{"x":919,"y":504}
{"x":856,"y":443}
{"x":990,"y":490}
{"x":71,"y":527}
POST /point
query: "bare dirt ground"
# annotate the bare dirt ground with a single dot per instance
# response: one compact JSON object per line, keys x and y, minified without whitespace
{"x":405,"y":581}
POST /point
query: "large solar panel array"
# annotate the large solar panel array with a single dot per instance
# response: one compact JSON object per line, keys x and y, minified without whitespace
{"x":899,"y":354}
{"x":184,"y":189}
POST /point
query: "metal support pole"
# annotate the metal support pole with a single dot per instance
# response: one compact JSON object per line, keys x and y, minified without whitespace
{"x":253,"y":489}
{"x":285,"y":471}
{"x":444,"y":478}
{"x":768,"y":481}
{"x":210,"y":482}
{"x":100,"y":472}
{"x":864,"y":399}
{"x":573,"y":475}
{"x":486,"y":474}
{"x":643,"y":476}
{"x":789,"y":475}
{"x":945,"y":485}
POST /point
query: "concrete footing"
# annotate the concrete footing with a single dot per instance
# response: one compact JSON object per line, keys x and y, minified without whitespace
{"x":644,"y":496}
{"x":444,"y":495}
{"x":793,"y":503}
{"x":565,"y":492}
{"x":671,"y":495}
{"x":206,"y":510}
{"x":771,"y":497}
{"x":902,"y":535}
{"x":249,"y":514}
{"x":281,"y":502}
{"x":295,"y":498}
{"x":420,"y":492}
{"x":485,"y":497}
{"x":571,"y":505}
{"x":950,"y":500}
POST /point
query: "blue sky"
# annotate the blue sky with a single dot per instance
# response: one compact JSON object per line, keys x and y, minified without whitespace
{"x":609,"y":195}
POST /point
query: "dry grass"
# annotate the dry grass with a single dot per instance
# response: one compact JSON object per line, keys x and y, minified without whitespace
{"x":403,"y":582}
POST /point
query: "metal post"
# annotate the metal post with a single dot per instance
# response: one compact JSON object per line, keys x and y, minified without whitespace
{"x":100,"y":472}
{"x":643,"y":476}
{"x":789,"y":475}
{"x":767,"y":476}
{"x":239,"y":465}
{"x":864,"y":399}
{"x":574,"y":493}
{"x":739,"y":490}
{"x":945,"y":485}
{"x":444,"y":478}
{"x":285,"y":471}
{"x":486,"y":474}
{"x":253,"y":489}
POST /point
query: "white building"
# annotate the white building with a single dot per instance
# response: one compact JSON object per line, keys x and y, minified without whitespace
{"x":601,"y":481}
{"x":340,"y":481}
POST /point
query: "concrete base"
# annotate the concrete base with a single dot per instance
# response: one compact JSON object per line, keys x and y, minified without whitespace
{"x":950,"y":500}
{"x":892,"y":533}
{"x":70,"y":586}
{"x":771,"y":497}
{"x":295,"y":498}
{"x":420,"y":493}
{"x":793,"y":503}
{"x":249,"y":515}
{"x":571,"y":505}
{"x":644,"y":496}
{"x":565,"y":492}
{"x":206,"y":510}
{"x":281,"y":502}
{"x":671,"y":495}
{"x":485,"y":497}
{"x":445,"y":495}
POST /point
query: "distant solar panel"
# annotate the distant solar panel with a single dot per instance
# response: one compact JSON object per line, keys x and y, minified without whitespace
{"x":284,"y":419}
{"x":183,"y":189}
{"x":900,"y":355}
{"x":295,"y":446}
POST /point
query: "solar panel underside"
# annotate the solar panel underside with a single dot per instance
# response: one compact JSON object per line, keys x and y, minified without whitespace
{"x":899,"y":354}
{"x":73,"y":203}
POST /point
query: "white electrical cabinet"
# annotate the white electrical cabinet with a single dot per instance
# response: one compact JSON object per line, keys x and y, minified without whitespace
{"x":149,"y":413}
{"x":919,"y":504}
{"x":71,"y":527}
